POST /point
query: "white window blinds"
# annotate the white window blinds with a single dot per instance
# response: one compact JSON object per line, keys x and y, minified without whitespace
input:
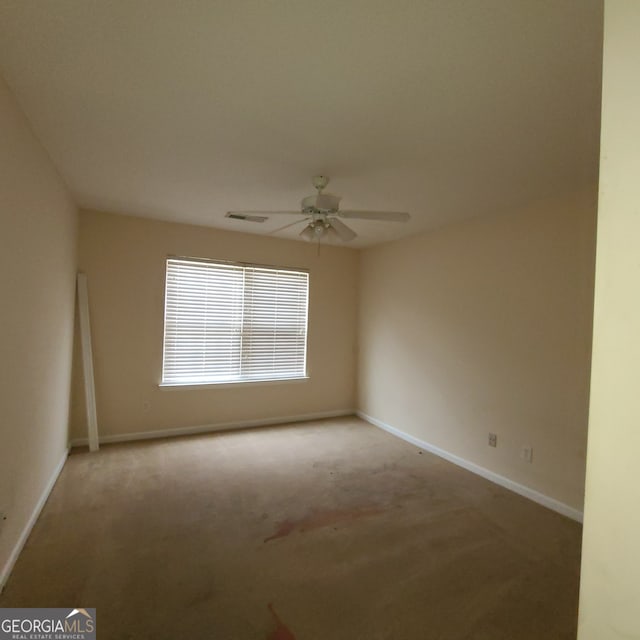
{"x":233,"y":323}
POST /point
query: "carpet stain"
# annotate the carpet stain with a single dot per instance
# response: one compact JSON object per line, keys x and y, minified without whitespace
{"x":319,"y":519}
{"x":281,"y":632}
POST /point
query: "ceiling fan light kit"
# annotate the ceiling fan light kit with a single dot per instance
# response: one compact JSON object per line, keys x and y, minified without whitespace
{"x":314,"y":231}
{"x":318,"y":229}
{"x":321,"y":212}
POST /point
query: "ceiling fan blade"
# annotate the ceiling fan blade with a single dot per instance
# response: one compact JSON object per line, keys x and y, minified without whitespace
{"x":344,"y":233}
{"x":390,"y":216}
{"x":286,"y":226}
{"x":264,"y":213}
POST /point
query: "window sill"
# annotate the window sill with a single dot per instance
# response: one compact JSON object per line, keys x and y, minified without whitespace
{"x":173,"y":386}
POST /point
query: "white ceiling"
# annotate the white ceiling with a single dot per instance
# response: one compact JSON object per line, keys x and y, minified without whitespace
{"x":184,"y":109}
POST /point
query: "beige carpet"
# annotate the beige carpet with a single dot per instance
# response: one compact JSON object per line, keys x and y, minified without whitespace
{"x":331,"y":529}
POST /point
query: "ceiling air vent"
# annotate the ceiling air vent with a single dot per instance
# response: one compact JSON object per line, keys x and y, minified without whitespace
{"x":246,"y":217}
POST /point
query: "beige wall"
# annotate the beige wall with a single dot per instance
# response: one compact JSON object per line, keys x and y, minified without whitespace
{"x":610,"y":588}
{"x":124,"y":259}
{"x":485,"y":327}
{"x":37,"y":275}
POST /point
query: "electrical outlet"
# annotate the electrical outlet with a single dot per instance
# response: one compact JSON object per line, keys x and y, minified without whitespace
{"x":493,"y":440}
{"x":146,"y":406}
{"x":527,"y":454}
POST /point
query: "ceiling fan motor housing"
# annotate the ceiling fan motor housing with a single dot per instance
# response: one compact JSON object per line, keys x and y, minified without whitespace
{"x":323,"y":202}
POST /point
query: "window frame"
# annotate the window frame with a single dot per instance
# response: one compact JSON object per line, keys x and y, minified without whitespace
{"x":236,"y":382}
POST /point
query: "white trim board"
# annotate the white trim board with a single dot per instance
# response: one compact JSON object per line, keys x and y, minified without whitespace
{"x":87,"y":362}
{"x":527,"y":492}
{"x":212,"y":428}
{"x":35,"y":514}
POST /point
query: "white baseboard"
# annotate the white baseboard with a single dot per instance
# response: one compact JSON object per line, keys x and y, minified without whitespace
{"x":211,"y":428}
{"x":9,"y":564}
{"x":532,"y":494}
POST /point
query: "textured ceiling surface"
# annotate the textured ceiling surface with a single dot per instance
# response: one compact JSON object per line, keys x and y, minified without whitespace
{"x":182,"y":110}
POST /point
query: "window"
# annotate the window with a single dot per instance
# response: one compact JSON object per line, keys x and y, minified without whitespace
{"x":228,"y":322}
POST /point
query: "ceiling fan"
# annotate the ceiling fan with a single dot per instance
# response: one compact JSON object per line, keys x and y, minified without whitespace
{"x":322,"y":215}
